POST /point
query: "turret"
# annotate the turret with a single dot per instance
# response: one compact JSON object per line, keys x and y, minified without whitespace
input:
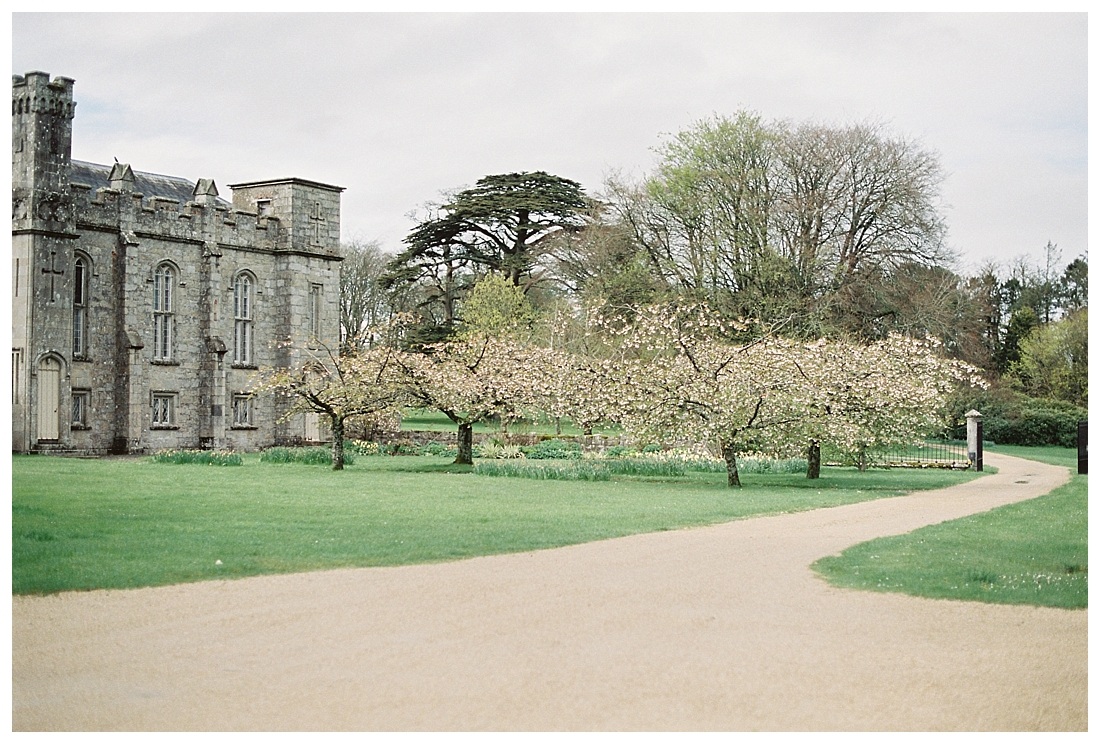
{"x":42,"y":128}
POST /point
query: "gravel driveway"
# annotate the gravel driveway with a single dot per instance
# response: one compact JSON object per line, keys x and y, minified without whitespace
{"x":714,"y":628}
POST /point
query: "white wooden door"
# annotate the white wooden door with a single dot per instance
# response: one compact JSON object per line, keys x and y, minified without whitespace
{"x":313,"y":429}
{"x":49,"y":394}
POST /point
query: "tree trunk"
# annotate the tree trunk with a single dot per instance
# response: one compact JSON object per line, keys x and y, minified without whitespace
{"x":813,"y":460}
{"x":862,"y":461}
{"x":730,"y":454}
{"x":337,"y":442}
{"x":557,"y":426}
{"x":448,"y":290}
{"x":465,"y":445}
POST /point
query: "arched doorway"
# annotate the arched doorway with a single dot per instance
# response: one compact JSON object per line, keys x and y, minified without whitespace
{"x":49,"y":398}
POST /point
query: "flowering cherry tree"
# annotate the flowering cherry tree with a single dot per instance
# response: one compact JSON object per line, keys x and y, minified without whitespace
{"x":874,"y":396}
{"x":367,"y":383}
{"x":476,"y":378}
{"x":573,"y":386}
{"x":683,"y":378}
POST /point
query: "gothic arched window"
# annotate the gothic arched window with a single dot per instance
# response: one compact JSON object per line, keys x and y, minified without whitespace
{"x":242,"y":319}
{"x":80,"y":307}
{"x":164,"y":279}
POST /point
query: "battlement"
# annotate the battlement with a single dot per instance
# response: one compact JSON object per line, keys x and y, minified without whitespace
{"x":35,"y":93}
{"x":192,"y":221}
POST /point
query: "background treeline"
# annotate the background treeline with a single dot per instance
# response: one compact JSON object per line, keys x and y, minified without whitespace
{"x":811,"y":229}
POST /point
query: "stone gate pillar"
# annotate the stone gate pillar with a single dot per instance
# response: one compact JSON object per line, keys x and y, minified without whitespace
{"x":974,"y":439}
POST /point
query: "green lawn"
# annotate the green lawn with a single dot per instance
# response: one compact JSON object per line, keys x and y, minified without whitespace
{"x":84,"y":524}
{"x":1034,"y":552}
{"x":1064,"y":456}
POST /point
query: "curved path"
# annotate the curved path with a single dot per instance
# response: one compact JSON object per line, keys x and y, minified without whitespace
{"x":715,"y":628}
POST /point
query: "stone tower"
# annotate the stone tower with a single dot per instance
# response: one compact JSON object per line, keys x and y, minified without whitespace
{"x":309,"y":215}
{"x":43,"y":233}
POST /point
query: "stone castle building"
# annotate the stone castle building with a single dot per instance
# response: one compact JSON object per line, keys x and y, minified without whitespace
{"x":144,"y":305}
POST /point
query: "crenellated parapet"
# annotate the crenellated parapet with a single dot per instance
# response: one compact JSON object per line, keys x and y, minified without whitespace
{"x":199,"y":222}
{"x":35,"y":93}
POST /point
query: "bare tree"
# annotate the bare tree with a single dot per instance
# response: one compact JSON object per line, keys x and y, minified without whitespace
{"x":602,"y":264}
{"x":807,"y":216}
{"x":364,"y":301}
{"x":770,"y":220}
{"x":890,"y":213}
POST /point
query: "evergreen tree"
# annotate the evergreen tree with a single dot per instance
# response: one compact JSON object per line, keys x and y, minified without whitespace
{"x":1022,"y":323}
{"x":499,"y":226}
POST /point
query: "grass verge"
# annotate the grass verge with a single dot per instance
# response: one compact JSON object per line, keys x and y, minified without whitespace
{"x":1034,"y":552}
{"x":1064,"y":456}
{"x":113,"y":523}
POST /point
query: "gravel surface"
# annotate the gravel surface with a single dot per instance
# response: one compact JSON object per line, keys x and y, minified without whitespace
{"x":716,"y":628}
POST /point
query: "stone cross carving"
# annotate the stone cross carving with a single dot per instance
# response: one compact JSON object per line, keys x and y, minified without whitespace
{"x":53,"y":271}
{"x":316,"y":224}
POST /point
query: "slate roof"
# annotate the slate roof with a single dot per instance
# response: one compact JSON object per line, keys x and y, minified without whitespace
{"x":146,"y":184}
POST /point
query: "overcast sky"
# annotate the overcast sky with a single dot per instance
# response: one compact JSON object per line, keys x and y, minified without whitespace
{"x":397,"y":108}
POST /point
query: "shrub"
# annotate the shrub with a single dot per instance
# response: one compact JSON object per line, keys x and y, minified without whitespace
{"x":437,"y":449}
{"x":488,"y":449}
{"x":197,"y":457}
{"x":304,"y":455}
{"x":619,"y":451}
{"x":492,"y":449}
{"x":578,"y":471}
{"x":553,"y":449}
{"x":1009,"y":417}
{"x":399,"y":447}
{"x":1034,"y":428}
